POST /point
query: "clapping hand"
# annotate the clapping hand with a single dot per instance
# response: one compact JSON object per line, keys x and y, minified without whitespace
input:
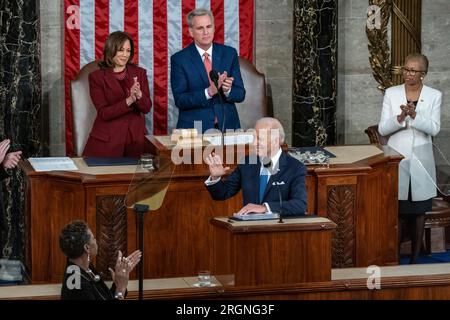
{"x":136,"y":89}
{"x":411,"y":110}
{"x":122,"y":269}
{"x":4,"y":147}
{"x":135,"y":92}
{"x":212,"y":90}
{"x":227,"y":83}
{"x":11,"y":160}
{"x":8,"y":160}
{"x":408,"y":110}
{"x":216,"y":168}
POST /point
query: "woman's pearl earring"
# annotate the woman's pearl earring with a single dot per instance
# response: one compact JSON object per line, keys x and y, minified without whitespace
{"x":421,"y":78}
{"x":89,"y":258}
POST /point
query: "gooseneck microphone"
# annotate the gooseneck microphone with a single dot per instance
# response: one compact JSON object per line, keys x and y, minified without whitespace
{"x":214,"y":76}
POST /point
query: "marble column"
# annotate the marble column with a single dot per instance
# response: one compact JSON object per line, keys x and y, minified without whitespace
{"x":314,"y":73}
{"x":20,"y":116}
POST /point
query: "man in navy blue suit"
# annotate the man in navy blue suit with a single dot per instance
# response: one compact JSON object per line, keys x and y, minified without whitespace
{"x":196,"y":96}
{"x":262,"y":176}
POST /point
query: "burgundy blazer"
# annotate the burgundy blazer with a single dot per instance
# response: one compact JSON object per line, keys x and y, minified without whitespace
{"x":108,"y":137}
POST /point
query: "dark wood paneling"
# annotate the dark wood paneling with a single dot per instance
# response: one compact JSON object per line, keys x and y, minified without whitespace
{"x":341,"y":210}
{"x":111,"y":232}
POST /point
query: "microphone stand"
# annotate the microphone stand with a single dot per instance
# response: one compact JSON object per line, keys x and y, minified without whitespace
{"x":214,"y":77}
{"x":219,"y":92}
{"x":273,"y":172}
{"x":280,"y":217}
{"x":140,"y":210}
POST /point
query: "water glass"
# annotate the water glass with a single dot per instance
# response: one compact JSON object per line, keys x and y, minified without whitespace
{"x":204,"y":278}
{"x":147,"y":161}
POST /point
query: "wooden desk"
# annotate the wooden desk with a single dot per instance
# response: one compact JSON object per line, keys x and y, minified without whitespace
{"x":268,"y":253}
{"x":360,"y":197}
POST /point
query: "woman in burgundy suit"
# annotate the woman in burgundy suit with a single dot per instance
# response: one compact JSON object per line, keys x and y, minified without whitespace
{"x":120,"y":93}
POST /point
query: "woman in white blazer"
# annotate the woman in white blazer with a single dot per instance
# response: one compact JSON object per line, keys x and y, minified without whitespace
{"x":411,"y":116}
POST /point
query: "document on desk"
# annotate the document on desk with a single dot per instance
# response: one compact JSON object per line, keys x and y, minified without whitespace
{"x":52,"y":164}
{"x":255,"y":216}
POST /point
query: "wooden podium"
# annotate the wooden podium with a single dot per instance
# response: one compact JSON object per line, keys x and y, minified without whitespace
{"x":358,"y":192}
{"x":266,"y":252}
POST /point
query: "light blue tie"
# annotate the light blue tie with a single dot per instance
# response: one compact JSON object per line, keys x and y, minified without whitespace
{"x":263,"y":178}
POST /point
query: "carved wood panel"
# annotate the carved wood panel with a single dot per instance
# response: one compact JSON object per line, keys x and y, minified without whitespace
{"x":341,"y":210}
{"x":111,"y":232}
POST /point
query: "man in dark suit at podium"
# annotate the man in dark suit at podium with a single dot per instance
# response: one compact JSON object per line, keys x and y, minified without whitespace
{"x":263,"y":177}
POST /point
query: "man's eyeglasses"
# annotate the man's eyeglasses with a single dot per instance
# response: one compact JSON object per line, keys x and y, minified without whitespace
{"x":410,"y":71}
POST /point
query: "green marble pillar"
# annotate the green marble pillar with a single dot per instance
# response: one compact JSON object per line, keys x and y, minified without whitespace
{"x":314,"y":73}
{"x":20,"y":111}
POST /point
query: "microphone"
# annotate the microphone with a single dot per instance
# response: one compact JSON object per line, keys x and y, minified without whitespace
{"x":267,"y":163}
{"x":214,"y":76}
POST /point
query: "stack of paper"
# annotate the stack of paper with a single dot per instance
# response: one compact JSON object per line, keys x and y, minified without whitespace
{"x":256,"y":216}
{"x":52,"y":164}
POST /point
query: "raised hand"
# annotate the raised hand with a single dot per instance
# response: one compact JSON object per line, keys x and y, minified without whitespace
{"x":121,"y":273}
{"x":216,"y":168}
{"x":4,"y":147}
{"x":133,"y":259}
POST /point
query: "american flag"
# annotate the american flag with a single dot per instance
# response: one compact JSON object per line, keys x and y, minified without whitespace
{"x":158,"y":29}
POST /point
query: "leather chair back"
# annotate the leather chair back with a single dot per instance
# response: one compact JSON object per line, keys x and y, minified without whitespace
{"x":83,"y":110}
{"x":375,"y":136}
{"x":254,"y":106}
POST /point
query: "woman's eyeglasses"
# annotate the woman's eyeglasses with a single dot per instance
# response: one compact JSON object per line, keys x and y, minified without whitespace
{"x":411,"y":71}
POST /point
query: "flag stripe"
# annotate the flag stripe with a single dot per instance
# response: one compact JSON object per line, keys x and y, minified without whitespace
{"x":72,"y":62}
{"x":246,"y":14}
{"x":87,"y":31}
{"x":146,"y":50}
{"x":231,"y":23}
{"x":217,"y":9}
{"x":187,"y":6}
{"x":158,"y":29}
{"x":116,"y":15}
{"x":205,"y":4}
{"x":101,"y":26}
{"x":160,"y":60}
{"x":131,"y":25}
{"x":175,"y":40}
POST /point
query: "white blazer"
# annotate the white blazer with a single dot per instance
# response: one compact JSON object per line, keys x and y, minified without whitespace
{"x":412,"y":139}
